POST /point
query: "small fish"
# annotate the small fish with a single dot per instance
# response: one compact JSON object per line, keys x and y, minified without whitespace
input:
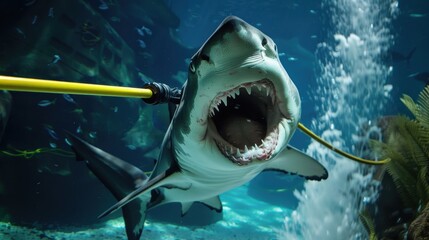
{"x":421,"y":76}
{"x":93,"y":134}
{"x":282,"y":54}
{"x":46,"y":103}
{"x":78,"y":111}
{"x":142,"y":44}
{"x":148,"y":31}
{"x":68,"y":98}
{"x":53,"y":145}
{"x":67,"y":141}
{"x":140,"y":32}
{"x":51,"y":12}
{"x":103,"y":5}
{"x":115,"y":19}
{"x":131,"y":147}
{"x":18,"y":30}
{"x":313,"y":36}
{"x":55,"y":60}
{"x":29,"y":2}
{"x":115,"y":109}
{"x":292,"y":59}
{"x":312,"y":11}
{"x":280,"y":190}
{"x":34,"y":20}
{"x":79,"y":129}
{"x":417,"y":15}
{"x":143,"y":31}
{"x":51,"y":132}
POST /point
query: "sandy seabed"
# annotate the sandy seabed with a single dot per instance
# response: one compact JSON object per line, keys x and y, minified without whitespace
{"x":244,"y":218}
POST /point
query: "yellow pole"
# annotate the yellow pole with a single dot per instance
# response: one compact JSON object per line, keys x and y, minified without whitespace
{"x":52,"y":86}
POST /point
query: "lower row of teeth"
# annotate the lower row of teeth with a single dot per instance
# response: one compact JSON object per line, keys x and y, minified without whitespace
{"x":246,"y":149}
{"x":247,"y":154}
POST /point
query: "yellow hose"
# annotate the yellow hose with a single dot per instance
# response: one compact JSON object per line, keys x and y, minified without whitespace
{"x":347,"y":155}
{"x":51,"y":86}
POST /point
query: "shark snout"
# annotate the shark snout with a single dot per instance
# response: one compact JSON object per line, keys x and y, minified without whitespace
{"x":234,"y":38}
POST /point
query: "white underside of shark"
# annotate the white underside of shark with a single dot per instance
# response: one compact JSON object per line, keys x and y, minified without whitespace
{"x":238,"y":111}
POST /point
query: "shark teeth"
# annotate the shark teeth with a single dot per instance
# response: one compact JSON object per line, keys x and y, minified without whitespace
{"x":249,"y":89}
{"x":263,"y":87}
{"x":258,"y":97}
{"x":245,"y":156}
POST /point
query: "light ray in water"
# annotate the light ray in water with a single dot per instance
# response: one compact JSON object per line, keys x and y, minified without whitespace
{"x":351,"y":92}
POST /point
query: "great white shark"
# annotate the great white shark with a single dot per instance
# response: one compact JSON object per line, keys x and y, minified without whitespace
{"x":238,"y":110}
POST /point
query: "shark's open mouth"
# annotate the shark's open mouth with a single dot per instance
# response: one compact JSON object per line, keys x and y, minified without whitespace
{"x":244,"y":122}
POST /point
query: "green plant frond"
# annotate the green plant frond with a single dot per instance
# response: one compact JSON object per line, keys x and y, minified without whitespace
{"x":423,"y":185}
{"x":416,"y":147}
{"x":403,"y":135}
{"x":410,"y":104}
{"x":407,"y":144}
{"x":423,"y":107}
{"x":407,"y":137}
{"x":423,"y":141}
{"x":368,"y":223}
{"x":404,"y":178}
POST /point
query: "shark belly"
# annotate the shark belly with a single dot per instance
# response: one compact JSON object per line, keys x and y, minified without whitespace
{"x":217,"y":175}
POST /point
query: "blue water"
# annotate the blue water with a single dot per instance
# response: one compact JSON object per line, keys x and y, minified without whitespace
{"x":338,"y":53}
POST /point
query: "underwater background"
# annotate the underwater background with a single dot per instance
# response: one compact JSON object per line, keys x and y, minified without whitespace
{"x":351,"y":60}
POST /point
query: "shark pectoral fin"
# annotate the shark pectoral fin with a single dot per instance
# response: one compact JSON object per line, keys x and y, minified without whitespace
{"x":293,"y":161}
{"x":158,"y":181}
{"x":213,"y":203}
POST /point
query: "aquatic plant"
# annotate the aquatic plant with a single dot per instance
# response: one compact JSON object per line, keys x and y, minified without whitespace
{"x":368,"y":223}
{"x":407,"y":144}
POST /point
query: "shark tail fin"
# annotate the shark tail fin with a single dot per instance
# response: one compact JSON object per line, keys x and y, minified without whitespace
{"x":120,"y":178}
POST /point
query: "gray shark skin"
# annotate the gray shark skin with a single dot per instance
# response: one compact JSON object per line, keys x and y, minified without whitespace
{"x":238,"y":111}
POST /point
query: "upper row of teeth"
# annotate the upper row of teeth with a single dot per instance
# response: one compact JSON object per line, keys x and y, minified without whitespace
{"x":235,"y":92}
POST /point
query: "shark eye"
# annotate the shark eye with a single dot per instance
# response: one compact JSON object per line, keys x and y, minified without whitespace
{"x":205,"y":57}
{"x":192,"y":67}
{"x":264,"y":41}
{"x":275,"y":48}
